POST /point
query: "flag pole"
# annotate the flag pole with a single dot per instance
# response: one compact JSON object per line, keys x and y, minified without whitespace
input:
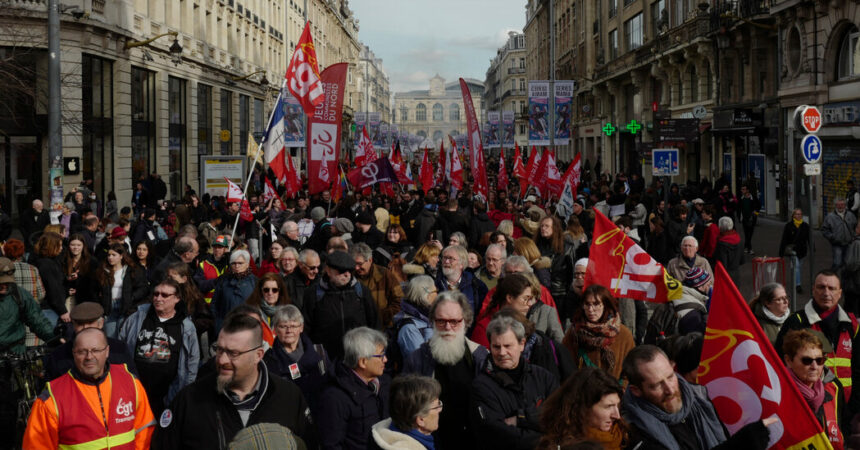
{"x":254,"y":163}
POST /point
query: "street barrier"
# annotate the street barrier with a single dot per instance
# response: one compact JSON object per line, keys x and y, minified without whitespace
{"x":767,"y":270}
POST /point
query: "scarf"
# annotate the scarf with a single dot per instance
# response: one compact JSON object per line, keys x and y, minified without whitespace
{"x":797,"y":223}
{"x":599,"y":336}
{"x":777,"y":319}
{"x":696,"y":411}
{"x":424,"y":439}
{"x":611,"y":440}
{"x":814,"y":395}
{"x":268,"y":310}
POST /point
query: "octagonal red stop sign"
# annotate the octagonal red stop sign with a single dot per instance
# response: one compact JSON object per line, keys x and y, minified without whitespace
{"x":811,"y":119}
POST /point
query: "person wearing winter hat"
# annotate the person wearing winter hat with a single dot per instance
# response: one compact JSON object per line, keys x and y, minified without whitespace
{"x":697,"y":278}
{"x":343,"y":227}
{"x":366,"y":232}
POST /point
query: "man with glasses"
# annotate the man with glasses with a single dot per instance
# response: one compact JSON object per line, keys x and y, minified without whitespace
{"x":454,"y":361}
{"x":186,"y":250}
{"x":94,"y":405}
{"x":163,"y":340}
{"x":338,"y":304}
{"x":824,"y":314}
{"x":240,"y":393}
{"x":454,"y":276}
{"x":494,"y":257}
{"x":384,"y":287}
{"x":357,"y":397}
{"x":301,"y":280}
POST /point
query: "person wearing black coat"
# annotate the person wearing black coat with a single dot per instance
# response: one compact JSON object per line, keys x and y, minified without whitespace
{"x":425,"y":223}
{"x":52,"y":278}
{"x":451,"y":220}
{"x":310,"y":372}
{"x":480,"y":225}
{"x":795,"y":237}
{"x":34,"y":220}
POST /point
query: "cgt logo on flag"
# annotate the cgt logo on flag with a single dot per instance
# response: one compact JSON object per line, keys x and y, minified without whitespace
{"x":303,"y":77}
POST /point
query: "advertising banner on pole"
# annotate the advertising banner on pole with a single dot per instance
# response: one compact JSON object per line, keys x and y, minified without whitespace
{"x":294,"y":122}
{"x":373,"y":119}
{"x":508,"y":129}
{"x":538,"y":112}
{"x":360,"y":122}
{"x":493,"y":120}
{"x":384,"y":133}
{"x":563,"y":108}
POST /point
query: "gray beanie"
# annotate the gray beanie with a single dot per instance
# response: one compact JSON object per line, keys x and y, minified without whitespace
{"x":343,"y":225}
{"x":317,"y":214}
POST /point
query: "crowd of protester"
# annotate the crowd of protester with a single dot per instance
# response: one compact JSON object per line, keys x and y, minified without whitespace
{"x":438,"y":320}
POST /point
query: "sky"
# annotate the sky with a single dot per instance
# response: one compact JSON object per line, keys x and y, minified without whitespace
{"x":417,"y":39}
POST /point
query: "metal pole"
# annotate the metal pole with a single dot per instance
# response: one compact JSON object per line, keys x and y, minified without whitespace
{"x":551,"y":124}
{"x":55,"y":137}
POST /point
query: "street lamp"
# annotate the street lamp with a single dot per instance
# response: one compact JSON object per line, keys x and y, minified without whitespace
{"x":264,"y":82}
{"x":175,"y":49}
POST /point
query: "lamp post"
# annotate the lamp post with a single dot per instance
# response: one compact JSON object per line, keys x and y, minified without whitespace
{"x":175,"y":49}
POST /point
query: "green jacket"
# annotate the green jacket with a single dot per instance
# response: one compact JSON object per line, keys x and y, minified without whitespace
{"x":12,"y":328}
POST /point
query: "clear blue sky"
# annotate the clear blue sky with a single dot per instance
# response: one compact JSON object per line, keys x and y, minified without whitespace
{"x":418,"y":38}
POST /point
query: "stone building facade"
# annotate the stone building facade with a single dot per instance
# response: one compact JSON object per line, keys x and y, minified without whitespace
{"x":506,"y":85}
{"x":128,"y":112}
{"x":437,"y":112}
{"x":372,"y":85}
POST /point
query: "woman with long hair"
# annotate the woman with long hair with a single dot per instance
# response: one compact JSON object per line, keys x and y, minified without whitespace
{"x":513,"y":290}
{"x":540,"y":265}
{"x":195,"y":304}
{"x":395,"y":243}
{"x":586,"y":407}
{"x":268,"y":295}
{"x":122,"y":286}
{"x":269,"y":264}
{"x":145,"y":257}
{"x":549,"y":239}
{"x":78,"y":267}
{"x":48,"y":249}
{"x":597,"y":337}
{"x":425,"y":261}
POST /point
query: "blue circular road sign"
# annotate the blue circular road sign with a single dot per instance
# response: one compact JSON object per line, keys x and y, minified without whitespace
{"x":811,"y":148}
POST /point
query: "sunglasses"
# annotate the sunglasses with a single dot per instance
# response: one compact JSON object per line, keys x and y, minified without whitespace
{"x":272,"y":290}
{"x":162,"y":294}
{"x":807,"y":361}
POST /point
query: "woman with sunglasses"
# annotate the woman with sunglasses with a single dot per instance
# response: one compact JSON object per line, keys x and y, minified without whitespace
{"x":804,"y":357}
{"x":268,"y":295}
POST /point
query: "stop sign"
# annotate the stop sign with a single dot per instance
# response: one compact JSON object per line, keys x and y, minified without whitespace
{"x":811,"y":119}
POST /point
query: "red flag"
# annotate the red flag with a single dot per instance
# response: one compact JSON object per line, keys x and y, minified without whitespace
{"x":303,"y":73}
{"x":531,"y":171}
{"x":324,"y":130}
{"x":503,"y":171}
{"x":456,"y":169}
{"x":426,"y":174}
{"x":476,"y":148}
{"x":572,"y":174}
{"x":379,"y":171}
{"x":234,"y":192}
{"x":440,"y":165}
{"x":552,"y":178}
{"x":399,"y":165}
{"x":269,"y":191}
{"x":746,"y":379}
{"x":519,"y":169}
{"x":364,"y":152}
{"x":292,"y":184}
{"x":625,"y":268}
{"x":245,"y":211}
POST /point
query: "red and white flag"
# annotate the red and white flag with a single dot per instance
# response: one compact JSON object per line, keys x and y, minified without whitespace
{"x":456,"y":169}
{"x":618,"y":263}
{"x":364,"y":152}
{"x":269,"y":191}
{"x":426,"y":174}
{"x":570,"y":183}
{"x":519,"y":169}
{"x":440,"y":165}
{"x":292,"y":183}
{"x":503,"y":171}
{"x":273,"y":140}
{"x":476,"y":148}
{"x":553,"y":176}
{"x":532,"y":171}
{"x":572,"y":174}
{"x":400,"y":166}
{"x":234,"y":192}
{"x":746,"y":379}
{"x":324,"y":130}
{"x":303,"y":73}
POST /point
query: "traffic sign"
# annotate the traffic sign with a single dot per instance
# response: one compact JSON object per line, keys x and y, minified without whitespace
{"x":811,"y":169}
{"x":810,"y":148}
{"x":810,"y":118}
{"x":664,"y":162}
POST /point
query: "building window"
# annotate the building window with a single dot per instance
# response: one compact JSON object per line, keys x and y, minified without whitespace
{"x":522,"y":84}
{"x":258,"y":119}
{"x":437,"y":136}
{"x":613,"y":44}
{"x":176,"y":143}
{"x":96,"y":158}
{"x":633,"y":32}
{"x":244,"y":121}
{"x":438,"y":113}
{"x":226,"y":137}
{"x":693,"y":81}
{"x":421,"y":113}
{"x":142,"y":123}
{"x":658,"y":9}
{"x":742,"y":92}
{"x":613,"y":8}
{"x":848,"y":61}
{"x":679,"y":12}
{"x":454,"y":112}
{"x":628,"y":2}
{"x":706,"y":65}
{"x":404,"y":115}
{"x":204,"y":119}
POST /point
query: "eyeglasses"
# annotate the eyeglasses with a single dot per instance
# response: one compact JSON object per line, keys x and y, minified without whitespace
{"x":579,"y":275}
{"x":289,"y":327}
{"x":232,"y":354}
{"x":444,"y":323}
{"x":157,"y":294}
{"x":784,"y":298}
{"x":807,"y":361}
{"x":272,"y":290}
{"x":237,"y":263}
{"x":526,"y":300}
{"x":83,"y":353}
{"x":380,"y":356}
{"x":592,"y":306}
{"x":439,"y":406}
{"x":312,"y":268}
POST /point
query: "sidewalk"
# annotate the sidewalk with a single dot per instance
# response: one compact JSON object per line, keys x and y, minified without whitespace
{"x":766,"y":239}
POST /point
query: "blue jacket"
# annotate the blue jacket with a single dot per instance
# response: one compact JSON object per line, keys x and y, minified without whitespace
{"x":348,"y":408}
{"x":189,"y":355}
{"x":230,"y":292}
{"x":421,"y":361}
{"x":415,"y":330}
{"x":474,"y":289}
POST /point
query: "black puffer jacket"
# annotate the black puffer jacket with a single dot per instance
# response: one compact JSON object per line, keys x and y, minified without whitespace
{"x":52,"y":277}
{"x":331,"y":311}
{"x":561,"y":269}
{"x":496,"y":396}
{"x":135,"y":290}
{"x":348,"y":408}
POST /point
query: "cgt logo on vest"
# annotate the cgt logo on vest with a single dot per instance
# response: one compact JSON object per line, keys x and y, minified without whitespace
{"x":125,"y":410}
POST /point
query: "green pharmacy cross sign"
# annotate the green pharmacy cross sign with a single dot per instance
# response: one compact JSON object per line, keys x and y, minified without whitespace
{"x":633,"y":126}
{"x":609,"y":129}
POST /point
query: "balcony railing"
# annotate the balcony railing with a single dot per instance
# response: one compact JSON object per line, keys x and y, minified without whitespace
{"x":513,"y":70}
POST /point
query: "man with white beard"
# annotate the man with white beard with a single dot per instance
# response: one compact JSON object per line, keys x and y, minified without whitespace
{"x":454,"y":277}
{"x":241,"y":392}
{"x":454,"y":361}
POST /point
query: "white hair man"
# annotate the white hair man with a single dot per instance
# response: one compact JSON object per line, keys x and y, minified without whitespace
{"x":494,"y":257}
{"x":689,"y":258}
{"x":454,"y":361}
{"x":455,"y":277}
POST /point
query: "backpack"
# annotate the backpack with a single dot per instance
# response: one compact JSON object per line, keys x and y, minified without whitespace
{"x":393,"y":352}
{"x":664,"y":320}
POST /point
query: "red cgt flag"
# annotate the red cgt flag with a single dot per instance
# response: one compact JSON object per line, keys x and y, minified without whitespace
{"x":519,"y":169}
{"x":503,"y":171}
{"x":303,"y":73}
{"x":293,"y":183}
{"x":625,"y":268}
{"x":426,"y":174}
{"x":745,"y":378}
{"x":364,"y":152}
{"x":533,"y":168}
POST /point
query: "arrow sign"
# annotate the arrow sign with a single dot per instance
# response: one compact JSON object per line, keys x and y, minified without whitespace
{"x":810,"y":148}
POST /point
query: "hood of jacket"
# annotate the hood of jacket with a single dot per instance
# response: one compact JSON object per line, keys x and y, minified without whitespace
{"x":388,"y":439}
{"x":413,"y":269}
{"x":542,"y":263}
{"x":732,"y":238}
